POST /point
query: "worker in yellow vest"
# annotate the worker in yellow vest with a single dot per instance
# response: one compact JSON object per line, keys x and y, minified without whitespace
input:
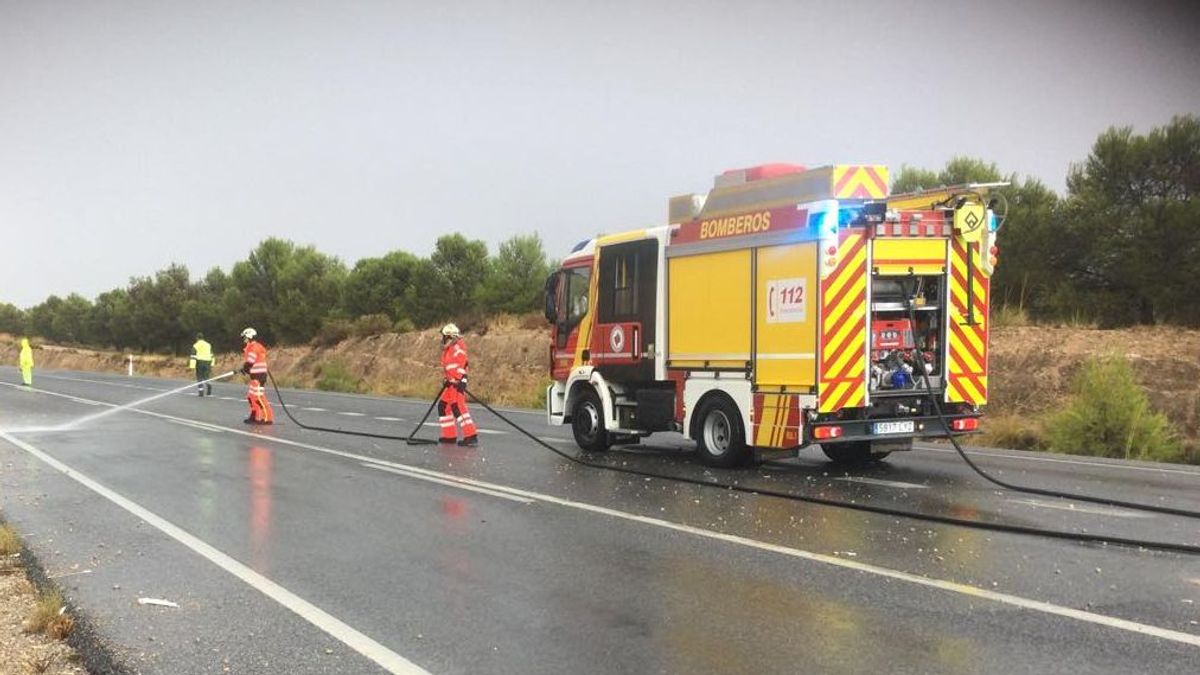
{"x":201,"y":362}
{"x":26,"y":362}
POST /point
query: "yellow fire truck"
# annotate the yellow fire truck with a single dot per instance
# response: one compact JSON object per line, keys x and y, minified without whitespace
{"x":786,"y":307}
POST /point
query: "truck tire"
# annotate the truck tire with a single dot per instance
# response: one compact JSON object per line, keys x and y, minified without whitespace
{"x":587,"y":422}
{"x":720,"y":438}
{"x":857,"y":453}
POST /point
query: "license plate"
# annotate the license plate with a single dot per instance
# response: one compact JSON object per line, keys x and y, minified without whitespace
{"x":893,"y":427}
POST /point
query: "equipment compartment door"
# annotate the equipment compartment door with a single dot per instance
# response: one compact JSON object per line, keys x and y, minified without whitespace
{"x":786,"y":316}
{"x":968,"y":326}
{"x":843,"y":353}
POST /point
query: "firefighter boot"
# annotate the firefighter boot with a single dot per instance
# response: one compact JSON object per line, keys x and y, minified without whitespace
{"x":471,"y":440}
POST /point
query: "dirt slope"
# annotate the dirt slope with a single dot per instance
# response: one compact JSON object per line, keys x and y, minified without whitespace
{"x":1031,"y":366}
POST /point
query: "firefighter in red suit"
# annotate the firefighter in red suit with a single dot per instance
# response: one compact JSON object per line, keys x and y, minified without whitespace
{"x":254,"y":364}
{"x":452,"y":405}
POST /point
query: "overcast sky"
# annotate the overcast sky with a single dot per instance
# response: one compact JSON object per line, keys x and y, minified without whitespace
{"x":135,"y":134}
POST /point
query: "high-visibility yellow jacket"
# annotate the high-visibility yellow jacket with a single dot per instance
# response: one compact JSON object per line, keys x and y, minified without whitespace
{"x":26,"y":354}
{"x":201,"y":351}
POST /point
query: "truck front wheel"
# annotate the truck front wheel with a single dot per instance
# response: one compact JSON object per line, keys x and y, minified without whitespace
{"x":587,"y":422}
{"x":720,"y":440}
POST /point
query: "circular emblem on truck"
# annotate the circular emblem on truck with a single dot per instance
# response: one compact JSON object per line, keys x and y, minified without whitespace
{"x":616,"y":339}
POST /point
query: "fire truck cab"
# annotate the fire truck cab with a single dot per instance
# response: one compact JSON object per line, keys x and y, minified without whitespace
{"x":786,"y":307}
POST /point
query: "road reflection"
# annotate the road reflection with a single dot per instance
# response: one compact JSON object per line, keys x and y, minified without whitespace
{"x":260,"y":462}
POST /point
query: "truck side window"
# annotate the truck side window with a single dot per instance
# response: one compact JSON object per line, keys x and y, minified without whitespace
{"x":625,"y":284}
{"x":577,"y":293}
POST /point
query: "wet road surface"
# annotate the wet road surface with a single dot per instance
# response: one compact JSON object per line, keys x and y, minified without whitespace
{"x":308,"y":552}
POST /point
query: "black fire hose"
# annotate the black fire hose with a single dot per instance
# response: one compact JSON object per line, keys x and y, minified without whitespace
{"x":881,"y":510}
{"x":410,"y":439}
{"x":1104,"y":501}
{"x":1081,"y":537}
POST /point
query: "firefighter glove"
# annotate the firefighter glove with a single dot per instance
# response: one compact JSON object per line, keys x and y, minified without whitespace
{"x":461,"y":385}
{"x":245,"y":368}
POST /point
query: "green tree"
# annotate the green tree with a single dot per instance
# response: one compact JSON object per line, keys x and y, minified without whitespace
{"x":516,"y":276}
{"x":41,"y":317}
{"x":1132,"y":210}
{"x":204,"y":312}
{"x":958,"y":170}
{"x":448,"y":283}
{"x":284,"y":291}
{"x":155,"y":308}
{"x":69,"y":323}
{"x":381,"y":286}
{"x":12,"y":319}
{"x":109,"y":321}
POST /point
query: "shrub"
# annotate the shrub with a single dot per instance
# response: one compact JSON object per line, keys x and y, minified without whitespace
{"x":1016,"y":432}
{"x":335,"y":376}
{"x":1010,"y":316}
{"x":371,"y":324}
{"x":332,"y":332}
{"x":47,"y":608}
{"x":1109,"y":415}
{"x":404,"y":325}
{"x":9,"y":543}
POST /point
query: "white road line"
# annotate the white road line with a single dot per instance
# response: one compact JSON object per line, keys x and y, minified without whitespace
{"x":482,"y":431}
{"x":1055,"y":460}
{"x":451,"y":483}
{"x":229,"y":398}
{"x":882,"y":483}
{"x":928,"y":582}
{"x":314,"y":409}
{"x":352,"y":414}
{"x":389,"y":419}
{"x":1092,"y":510}
{"x":110,"y":384}
{"x":199,"y":425}
{"x":552,"y":439}
{"x":318,"y":617}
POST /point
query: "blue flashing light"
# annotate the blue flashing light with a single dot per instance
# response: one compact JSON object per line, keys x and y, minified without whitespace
{"x":847,"y":215}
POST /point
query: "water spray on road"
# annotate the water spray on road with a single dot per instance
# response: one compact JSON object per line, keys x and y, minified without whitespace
{"x":76,"y":423}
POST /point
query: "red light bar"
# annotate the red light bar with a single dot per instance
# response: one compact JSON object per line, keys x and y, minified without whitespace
{"x":823,"y":433}
{"x":965,"y":424}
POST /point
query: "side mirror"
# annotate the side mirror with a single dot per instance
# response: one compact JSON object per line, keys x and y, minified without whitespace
{"x":551,"y":309}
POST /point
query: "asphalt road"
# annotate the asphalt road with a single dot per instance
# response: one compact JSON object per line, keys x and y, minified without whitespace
{"x":295,"y":551}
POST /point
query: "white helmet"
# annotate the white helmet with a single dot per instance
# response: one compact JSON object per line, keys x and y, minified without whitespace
{"x":249,"y":334}
{"x":450,"y":330}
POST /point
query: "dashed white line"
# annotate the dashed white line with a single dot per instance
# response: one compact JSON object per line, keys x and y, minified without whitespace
{"x":1092,"y":510}
{"x":314,"y":409}
{"x":452,"y":483}
{"x":389,"y":419}
{"x":352,"y":414}
{"x":882,"y":483}
{"x":1055,"y":460}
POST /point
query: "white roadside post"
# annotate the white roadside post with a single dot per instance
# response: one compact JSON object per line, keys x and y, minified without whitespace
{"x":131,"y":365}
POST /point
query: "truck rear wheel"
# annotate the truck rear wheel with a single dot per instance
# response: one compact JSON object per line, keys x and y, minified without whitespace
{"x":855,"y":453}
{"x":721,"y":440}
{"x":587,"y":422}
